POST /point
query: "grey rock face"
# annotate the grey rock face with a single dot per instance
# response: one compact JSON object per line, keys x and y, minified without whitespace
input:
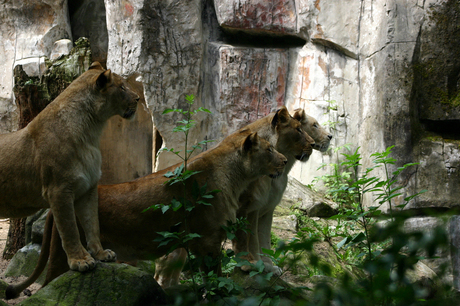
{"x":246,"y":84}
{"x":258,"y":16}
{"x":28,"y":30}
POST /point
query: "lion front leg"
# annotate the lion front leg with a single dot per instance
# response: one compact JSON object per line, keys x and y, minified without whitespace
{"x":248,"y":242}
{"x":62,"y":206}
{"x":86,"y":209}
{"x":264,"y":234}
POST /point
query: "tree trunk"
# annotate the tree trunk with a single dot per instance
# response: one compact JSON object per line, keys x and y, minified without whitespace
{"x":16,"y":238}
{"x":30,"y":103}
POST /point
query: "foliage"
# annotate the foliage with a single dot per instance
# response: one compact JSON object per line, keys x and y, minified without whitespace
{"x":384,"y":252}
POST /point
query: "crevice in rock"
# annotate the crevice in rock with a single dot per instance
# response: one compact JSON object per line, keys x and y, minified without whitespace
{"x":332,"y":45}
{"x":262,"y":40}
{"x":447,"y":129}
{"x":157,"y":144}
{"x":88,"y":19}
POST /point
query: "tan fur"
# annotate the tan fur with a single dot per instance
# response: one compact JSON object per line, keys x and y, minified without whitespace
{"x":314,"y":129}
{"x":238,"y":160}
{"x":285,"y":133}
{"x":55,"y":160}
{"x":261,"y":200}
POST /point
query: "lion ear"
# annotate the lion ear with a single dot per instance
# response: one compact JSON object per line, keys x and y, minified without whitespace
{"x":250,"y":141}
{"x":104,"y":79}
{"x":96,"y":65}
{"x":300,"y":115}
{"x":281,"y":116}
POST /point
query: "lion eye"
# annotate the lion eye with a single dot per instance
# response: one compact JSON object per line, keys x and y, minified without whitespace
{"x":270,"y":149}
{"x":299,"y":130}
{"x":123,"y":87}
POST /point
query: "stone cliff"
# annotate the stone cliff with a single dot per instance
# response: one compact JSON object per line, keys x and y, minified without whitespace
{"x":380,"y":73}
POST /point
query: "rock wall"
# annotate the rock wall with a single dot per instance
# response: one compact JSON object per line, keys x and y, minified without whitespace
{"x":378,"y":73}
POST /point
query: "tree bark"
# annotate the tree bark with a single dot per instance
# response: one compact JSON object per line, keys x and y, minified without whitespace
{"x":30,"y":103}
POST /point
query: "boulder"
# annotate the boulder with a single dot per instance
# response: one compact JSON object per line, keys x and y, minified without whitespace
{"x":35,"y":225}
{"x":107,"y":284}
{"x":258,"y":16}
{"x":24,"y":262}
{"x":454,"y":231}
{"x":309,"y":201}
{"x":3,"y":286}
{"x":439,"y":158}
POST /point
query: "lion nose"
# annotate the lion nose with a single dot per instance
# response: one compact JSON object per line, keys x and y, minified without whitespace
{"x":138,"y":98}
{"x":329,"y":136}
{"x":285,"y":161}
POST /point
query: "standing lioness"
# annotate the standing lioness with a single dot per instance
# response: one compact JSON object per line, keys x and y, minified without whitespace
{"x":229,"y":167}
{"x":55,"y":160}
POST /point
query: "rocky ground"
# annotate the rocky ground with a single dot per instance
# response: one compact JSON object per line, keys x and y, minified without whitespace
{"x":4,"y":226}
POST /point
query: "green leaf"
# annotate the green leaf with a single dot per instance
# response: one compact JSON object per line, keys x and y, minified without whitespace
{"x":168,"y":110}
{"x":164,"y":208}
{"x":342,"y":243}
{"x":175,"y":204}
{"x":260,"y":265}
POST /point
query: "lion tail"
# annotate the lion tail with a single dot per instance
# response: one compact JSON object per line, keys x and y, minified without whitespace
{"x":13,"y":291}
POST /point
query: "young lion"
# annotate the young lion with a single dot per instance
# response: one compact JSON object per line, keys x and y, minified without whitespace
{"x":55,"y":161}
{"x":238,"y":160}
{"x":260,"y":201}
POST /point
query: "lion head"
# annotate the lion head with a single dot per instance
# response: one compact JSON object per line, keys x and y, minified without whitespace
{"x":291,"y":137}
{"x":309,"y":124}
{"x":119,"y":97}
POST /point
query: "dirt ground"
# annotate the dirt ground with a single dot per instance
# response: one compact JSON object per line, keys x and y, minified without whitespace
{"x":4,"y":226}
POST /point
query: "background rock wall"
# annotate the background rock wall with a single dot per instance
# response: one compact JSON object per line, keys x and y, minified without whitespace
{"x":378,"y":73}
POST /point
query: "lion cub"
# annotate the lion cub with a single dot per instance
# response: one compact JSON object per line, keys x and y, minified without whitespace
{"x":230,"y":167}
{"x":55,"y":161}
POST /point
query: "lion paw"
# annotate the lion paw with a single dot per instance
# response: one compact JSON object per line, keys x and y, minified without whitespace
{"x":105,"y":255}
{"x":82,"y":265}
{"x":277,"y":271}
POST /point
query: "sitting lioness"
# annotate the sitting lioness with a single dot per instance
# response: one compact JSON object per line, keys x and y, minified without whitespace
{"x":55,"y":161}
{"x":229,"y":167}
{"x":260,"y":200}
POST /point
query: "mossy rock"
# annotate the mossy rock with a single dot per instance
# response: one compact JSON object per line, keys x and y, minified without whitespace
{"x":327,"y":264}
{"x":274,"y":287}
{"x":147,"y":266}
{"x":3,"y":286}
{"x":107,"y":284}
{"x":24,"y":262}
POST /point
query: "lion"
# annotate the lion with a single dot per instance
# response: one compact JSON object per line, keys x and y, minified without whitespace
{"x":55,"y":161}
{"x":286,"y":134}
{"x":132,"y":231}
{"x":259,"y":201}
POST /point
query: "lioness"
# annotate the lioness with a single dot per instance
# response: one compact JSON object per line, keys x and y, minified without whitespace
{"x":286,"y":134}
{"x":238,"y":160}
{"x":55,"y":161}
{"x":260,"y":200}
